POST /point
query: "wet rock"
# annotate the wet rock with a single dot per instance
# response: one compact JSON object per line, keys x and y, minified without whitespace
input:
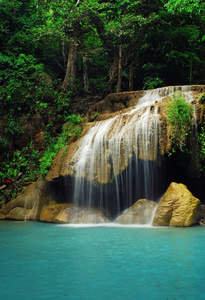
{"x":115,"y":102}
{"x":139,"y":213}
{"x":17,"y":213}
{"x":64,"y":213}
{"x":50,"y":212}
{"x":81,"y":215}
{"x":25,"y":206}
{"x":202,"y":222}
{"x":2,"y":216}
{"x":178,"y":207}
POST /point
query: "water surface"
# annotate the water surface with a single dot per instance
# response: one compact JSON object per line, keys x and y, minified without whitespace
{"x":49,"y":261}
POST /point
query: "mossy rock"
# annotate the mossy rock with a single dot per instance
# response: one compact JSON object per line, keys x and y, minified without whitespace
{"x":202,"y":98}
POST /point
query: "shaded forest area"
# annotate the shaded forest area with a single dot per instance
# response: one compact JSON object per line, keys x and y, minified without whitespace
{"x":59,"y":57}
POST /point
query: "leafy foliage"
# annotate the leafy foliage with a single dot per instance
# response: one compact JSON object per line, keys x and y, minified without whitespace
{"x":72,"y":128}
{"x":201,"y":158}
{"x":151,"y":83}
{"x":179,"y":119}
{"x":25,"y":161}
{"x":187,"y":6}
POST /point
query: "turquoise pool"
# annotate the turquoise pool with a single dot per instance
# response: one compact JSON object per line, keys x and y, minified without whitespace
{"x":49,"y":261}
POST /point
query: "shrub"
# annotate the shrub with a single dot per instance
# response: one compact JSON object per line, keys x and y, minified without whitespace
{"x":178,"y":115}
{"x":24,"y":160}
{"x":152,"y":83}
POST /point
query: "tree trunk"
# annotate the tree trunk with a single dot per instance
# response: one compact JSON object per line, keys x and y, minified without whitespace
{"x":131,"y":78}
{"x":85,"y":75}
{"x":113,"y":78}
{"x":190,"y":73}
{"x":119,"y":81}
{"x":68,"y":82}
{"x":63,"y":53}
{"x":113,"y":69}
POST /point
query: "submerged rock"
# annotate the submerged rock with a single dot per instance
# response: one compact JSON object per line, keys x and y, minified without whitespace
{"x":139,"y":213}
{"x":178,"y":207}
{"x":64,"y":213}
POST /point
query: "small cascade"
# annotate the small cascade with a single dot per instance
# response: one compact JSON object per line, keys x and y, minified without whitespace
{"x":119,"y":159}
{"x":153,"y":214}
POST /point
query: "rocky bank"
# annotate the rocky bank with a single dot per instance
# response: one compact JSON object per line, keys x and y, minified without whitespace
{"x":178,"y":207}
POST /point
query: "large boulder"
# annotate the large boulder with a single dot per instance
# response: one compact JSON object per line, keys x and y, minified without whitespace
{"x":178,"y":207}
{"x":50,"y":212}
{"x":67,"y":213}
{"x":26,"y":205}
{"x":140,"y":212}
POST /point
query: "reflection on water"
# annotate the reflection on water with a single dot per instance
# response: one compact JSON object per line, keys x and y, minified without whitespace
{"x":48,"y":261}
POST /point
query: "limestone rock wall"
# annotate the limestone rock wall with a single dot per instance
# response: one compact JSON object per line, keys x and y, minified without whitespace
{"x":118,"y":134}
{"x":38,"y":203}
{"x":27,"y":205}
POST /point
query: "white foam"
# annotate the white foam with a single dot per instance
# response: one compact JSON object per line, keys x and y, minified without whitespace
{"x":109,"y":225}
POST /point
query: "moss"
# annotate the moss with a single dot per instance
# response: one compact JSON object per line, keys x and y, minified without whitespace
{"x":202,"y":98}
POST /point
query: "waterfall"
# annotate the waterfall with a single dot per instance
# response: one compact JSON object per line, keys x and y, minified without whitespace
{"x":118,"y":161}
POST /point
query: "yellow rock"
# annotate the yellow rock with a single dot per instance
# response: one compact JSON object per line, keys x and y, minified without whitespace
{"x":26,"y":205}
{"x":50,"y":212}
{"x":67,"y":213}
{"x":17,"y":213}
{"x":178,"y":207}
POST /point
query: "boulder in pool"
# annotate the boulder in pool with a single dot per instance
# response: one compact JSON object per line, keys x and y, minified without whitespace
{"x":178,"y":207}
{"x":140,"y":212}
{"x":62,"y":213}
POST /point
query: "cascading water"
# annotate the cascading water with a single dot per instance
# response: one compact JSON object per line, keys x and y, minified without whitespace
{"x":118,"y":161}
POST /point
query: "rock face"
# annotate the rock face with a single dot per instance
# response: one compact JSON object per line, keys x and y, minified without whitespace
{"x":121,"y":131}
{"x":62,"y":213}
{"x":139,"y":213}
{"x":178,"y":207}
{"x":25,"y":206}
{"x":36,"y":203}
{"x":109,"y":146}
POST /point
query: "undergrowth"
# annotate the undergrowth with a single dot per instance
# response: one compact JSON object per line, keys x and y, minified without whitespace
{"x":31,"y":163}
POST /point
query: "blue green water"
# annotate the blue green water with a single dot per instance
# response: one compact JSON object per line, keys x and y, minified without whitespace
{"x":48,"y":261}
